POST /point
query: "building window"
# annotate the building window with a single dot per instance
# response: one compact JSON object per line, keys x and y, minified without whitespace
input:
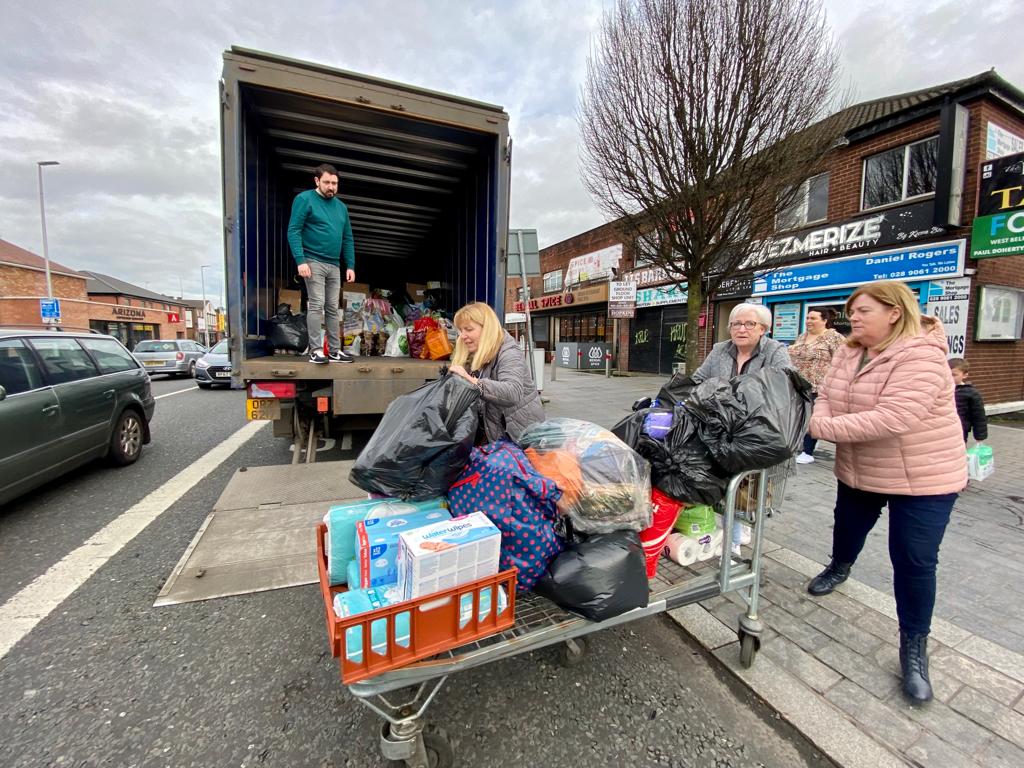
{"x":553,"y":281}
{"x":900,"y":174}
{"x":809,"y":205}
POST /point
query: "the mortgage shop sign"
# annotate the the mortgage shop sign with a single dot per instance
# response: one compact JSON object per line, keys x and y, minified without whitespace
{"x":909,"y":264}
{"x":998,"y":228}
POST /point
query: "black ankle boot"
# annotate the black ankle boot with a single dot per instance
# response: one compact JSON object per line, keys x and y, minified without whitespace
{"x":826,"y":581}
{"x":914,"y":666}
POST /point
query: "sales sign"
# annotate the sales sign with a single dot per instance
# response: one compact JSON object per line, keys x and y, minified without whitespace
{"x":948,"y":300}
{"x":922,"y":262}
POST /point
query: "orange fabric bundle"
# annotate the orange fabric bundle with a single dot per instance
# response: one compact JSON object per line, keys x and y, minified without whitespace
{"x":563,"y":469}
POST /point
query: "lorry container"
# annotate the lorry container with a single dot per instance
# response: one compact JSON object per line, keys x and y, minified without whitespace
{"x":425,"y":176}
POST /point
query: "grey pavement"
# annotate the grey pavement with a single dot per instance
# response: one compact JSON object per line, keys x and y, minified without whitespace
{"x":830,"y":666}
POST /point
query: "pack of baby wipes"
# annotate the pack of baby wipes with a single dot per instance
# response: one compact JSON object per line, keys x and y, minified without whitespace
{"x":446,"y":554}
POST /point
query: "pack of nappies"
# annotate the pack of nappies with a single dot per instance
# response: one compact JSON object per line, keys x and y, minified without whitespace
{"x":376,"y":544}
{"x":341,"y":522}
{"x":357,"y":601}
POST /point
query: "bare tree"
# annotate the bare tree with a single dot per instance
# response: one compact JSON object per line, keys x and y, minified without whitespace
{"x":700,"y":119}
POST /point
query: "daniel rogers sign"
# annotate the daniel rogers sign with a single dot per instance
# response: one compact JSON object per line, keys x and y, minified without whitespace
{"x":921,"y":262}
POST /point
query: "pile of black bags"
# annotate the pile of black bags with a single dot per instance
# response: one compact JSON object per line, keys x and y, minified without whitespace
{"x":720,"y":428}
{"x":287,"y":332}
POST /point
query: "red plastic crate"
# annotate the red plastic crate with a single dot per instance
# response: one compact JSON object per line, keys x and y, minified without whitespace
{"x":434,"y":622}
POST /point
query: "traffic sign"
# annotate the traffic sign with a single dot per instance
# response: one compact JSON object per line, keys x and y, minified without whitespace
{"x":49,"y":310}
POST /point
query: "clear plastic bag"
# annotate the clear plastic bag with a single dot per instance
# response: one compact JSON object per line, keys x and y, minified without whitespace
{"x":609,"y":486}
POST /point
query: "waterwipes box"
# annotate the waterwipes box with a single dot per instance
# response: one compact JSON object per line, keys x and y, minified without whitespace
{"x":376,"y":545}
{"x":446,"y":554}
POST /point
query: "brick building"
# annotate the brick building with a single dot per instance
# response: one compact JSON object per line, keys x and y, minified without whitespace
{"x":894,"y":200}
{"x":23,"y":284}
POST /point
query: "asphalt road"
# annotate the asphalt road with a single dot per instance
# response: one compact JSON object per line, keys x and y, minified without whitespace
{"x":105,"y":679}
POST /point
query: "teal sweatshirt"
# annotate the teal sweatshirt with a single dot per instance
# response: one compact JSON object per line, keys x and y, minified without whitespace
{"x":320,"y":230}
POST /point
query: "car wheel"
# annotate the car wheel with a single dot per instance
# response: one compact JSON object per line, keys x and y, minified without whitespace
{"x":126,"y":442}
{"x":192,"y":369}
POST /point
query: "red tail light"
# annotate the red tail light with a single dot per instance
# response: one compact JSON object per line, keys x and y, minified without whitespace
{"x":180,"y":356}
{"x":281,"y":389}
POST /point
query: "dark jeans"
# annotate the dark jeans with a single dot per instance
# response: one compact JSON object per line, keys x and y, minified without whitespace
{"x":810,"y":442}
{"x":916,"y":527}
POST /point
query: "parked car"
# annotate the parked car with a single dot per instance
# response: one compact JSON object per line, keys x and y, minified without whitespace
{"x":66,"y":399}
{"x":214,"y":367}
{"x":176,"y":357}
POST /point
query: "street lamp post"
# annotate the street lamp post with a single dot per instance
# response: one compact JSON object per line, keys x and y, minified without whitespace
{"x":42,"y":218}
{"x":206,"y":320}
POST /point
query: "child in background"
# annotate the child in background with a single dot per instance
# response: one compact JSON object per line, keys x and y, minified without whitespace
{"x":969,"y":405}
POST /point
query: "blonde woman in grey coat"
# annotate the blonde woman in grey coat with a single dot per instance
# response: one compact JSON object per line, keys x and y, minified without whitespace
{"x":498,"y":367}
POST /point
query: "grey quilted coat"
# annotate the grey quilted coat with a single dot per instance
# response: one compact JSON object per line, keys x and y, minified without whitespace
{"x":509,"y":398}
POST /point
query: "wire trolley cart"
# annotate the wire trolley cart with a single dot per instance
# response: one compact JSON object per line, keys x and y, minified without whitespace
{"x":421,"y":656}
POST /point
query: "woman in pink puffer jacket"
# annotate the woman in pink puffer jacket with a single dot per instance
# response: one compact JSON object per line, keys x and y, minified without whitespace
{"x":887,"y":403}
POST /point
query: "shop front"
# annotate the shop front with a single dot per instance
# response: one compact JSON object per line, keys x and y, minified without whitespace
{"x":130,"y":325}
{"x":578,"y":315}
{"x":657,"y":338}
{"x":933,"y":271}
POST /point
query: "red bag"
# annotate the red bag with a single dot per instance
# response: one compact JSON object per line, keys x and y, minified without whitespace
{"x":425,"y":323}
{"x":418,"y":344}
{"x":666,"y":510}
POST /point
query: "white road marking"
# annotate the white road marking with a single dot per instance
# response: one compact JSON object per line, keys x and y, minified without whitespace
{"x":20,"y":614}
{"x":177,"y":392}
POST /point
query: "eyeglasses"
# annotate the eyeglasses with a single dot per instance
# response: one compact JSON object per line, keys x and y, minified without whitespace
{"x":748,"y":324}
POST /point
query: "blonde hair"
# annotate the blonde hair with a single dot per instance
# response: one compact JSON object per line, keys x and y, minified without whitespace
{"x":491,"y":336}
{"x":891,"y":294}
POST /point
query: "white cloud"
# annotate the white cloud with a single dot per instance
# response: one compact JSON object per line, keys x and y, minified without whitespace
{"x":124,"y":95}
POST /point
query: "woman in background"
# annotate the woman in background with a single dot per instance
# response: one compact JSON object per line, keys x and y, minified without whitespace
{"x":498,"y":367}
{"x":812,"y":353}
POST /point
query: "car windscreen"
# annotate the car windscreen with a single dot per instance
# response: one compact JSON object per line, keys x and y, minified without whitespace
{"x":220,"y":348}
{"x":156,"y":346}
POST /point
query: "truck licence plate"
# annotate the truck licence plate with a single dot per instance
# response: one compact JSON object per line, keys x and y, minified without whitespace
{"x":262,"y":409}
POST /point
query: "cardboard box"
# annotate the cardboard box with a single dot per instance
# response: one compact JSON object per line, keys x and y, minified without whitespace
{"x":354,"y":294}
{"x":446,"y":554}
{"x":288,"y":296}
{"x":417,"y":292}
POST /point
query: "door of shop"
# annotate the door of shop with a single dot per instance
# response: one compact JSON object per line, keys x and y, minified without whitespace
{"x":673,"y":338}
{"x":645,"y":341}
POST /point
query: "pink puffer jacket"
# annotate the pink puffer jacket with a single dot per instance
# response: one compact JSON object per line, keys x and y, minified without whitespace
{"x":894,"y":422}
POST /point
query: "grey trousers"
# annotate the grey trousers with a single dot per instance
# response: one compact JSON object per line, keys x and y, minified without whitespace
{"x":323,"y":289}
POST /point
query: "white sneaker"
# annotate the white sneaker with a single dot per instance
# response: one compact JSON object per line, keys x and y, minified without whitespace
{"x":736,"y":552}
{"x":805,"y":458}
{"x":745,"y":535}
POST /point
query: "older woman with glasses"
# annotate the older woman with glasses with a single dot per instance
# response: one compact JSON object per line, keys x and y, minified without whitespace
{"x":748,"y":350}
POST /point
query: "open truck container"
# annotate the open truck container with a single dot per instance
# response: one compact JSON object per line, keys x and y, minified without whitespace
{"x":425,"y":177}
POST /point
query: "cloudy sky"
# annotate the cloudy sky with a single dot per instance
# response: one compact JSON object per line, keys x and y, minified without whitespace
{"x":124,"y":95}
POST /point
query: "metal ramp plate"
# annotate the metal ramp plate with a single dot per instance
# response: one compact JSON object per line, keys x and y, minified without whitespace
{"x":260,"y":535}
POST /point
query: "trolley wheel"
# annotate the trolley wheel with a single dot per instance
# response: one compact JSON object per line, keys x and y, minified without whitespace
{"x":437,"y":746}
{"x":749,"y":646}
{"x":569,"y":656}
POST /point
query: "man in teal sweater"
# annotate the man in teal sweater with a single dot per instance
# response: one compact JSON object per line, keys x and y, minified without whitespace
{"x":319,"y":234}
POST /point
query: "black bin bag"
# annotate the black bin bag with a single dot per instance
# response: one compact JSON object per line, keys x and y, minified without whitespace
{"x":754,"y":420}
{"x":676,"y":390}
{"x":423,"y":442}
{"x":287,"y":332}
{"x":681,"y":465}
{"x":599,"y":577}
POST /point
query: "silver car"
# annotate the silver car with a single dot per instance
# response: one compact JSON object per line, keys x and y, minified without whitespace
{"x":175,"y":357}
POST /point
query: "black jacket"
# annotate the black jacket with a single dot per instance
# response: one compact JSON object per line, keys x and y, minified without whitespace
{"x":971,"y":409}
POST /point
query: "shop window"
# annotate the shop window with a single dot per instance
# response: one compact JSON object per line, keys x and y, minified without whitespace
{"x":553,"y":281}
{"x":808,"y":206}
{"x":900,"y":174}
